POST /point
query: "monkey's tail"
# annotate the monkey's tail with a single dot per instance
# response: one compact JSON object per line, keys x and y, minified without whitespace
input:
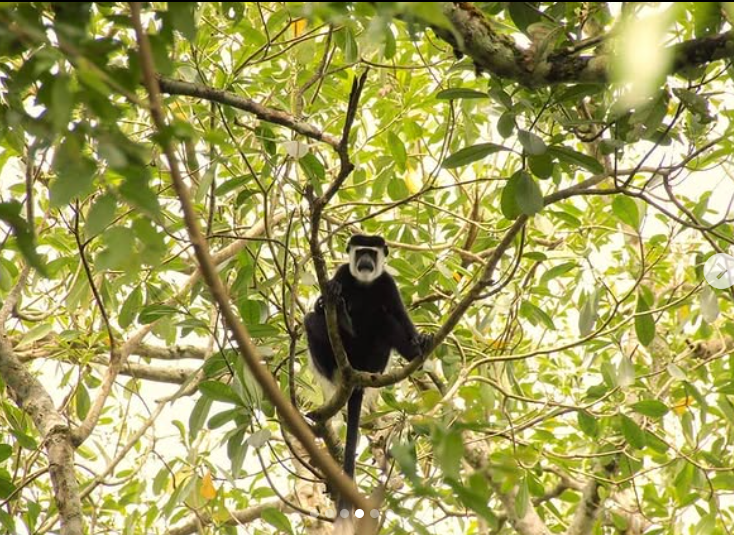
{"x":345,"y":516}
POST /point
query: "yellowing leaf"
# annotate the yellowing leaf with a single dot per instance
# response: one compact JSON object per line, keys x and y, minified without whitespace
{"x":413,"y":181}
{"x":207,"y":491}
{"x":299,"y":26}
{"x":682,"y":406}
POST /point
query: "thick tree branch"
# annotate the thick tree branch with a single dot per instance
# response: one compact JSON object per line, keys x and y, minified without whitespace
{"x":291,"y":417}
{"x":590,"y":505}
{"x":499,"y":55}
{"x":32,"y":398}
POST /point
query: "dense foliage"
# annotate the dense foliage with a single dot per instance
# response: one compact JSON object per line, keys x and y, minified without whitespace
{"x":550,"y":177}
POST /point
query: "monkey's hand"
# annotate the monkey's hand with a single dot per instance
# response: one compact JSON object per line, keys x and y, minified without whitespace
{"x":423,"y":343}
{"x":334,"y":290}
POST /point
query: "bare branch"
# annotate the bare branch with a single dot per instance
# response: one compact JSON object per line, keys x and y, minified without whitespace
{"x":270,"y":115}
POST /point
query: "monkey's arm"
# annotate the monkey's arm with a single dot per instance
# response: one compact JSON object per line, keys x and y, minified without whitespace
{"x":406,"y":339}
{"x":342,"y":313}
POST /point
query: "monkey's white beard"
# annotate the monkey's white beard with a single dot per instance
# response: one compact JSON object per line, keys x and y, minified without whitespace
{"x":366,"y":277}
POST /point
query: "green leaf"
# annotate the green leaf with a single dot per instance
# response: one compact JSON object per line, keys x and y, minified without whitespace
{"x":118,"y":253}
{"x":430,"y":12}
{"x":522,"y":501}
{"x":262,"y":330}
{"x":222,"y":418}
{"x":541,"y":166}
{"x":219,"y":391}
{"x":278,"y":520}
{"x":62,"y":102}
{"x":449,"y":452}
{"x":626,"y":210}
{"x":528,"y":195}
{"x":182,"y":17}
{"x":267,"y":138}
{"x":460,"y":92}
{"x":6,"y":450}
{"x":26,"y":442}
{"x":588,"y":316}
{"x":137,"y":192}
{"x":633,"y":434}
{"x":130,"y":308}
{"x":35,"y":334}
{"x":74,"y":172}
{"x":313,"y":170}
{"x":397,"y":189}
{"x":6,"y":487}
{"x":83,"y":403}
{"x":536,"y":315}
{"x":707,"y":524}
{"x":259,"y":438}
{"x":236,"y":451}
{"x":351,"y":50}
{"x":473,"y":500}
{"x":390,"y":44}
{"x":588,"y":424}
{"x":100,"y":215}
{"x":506,"y":124}
{"x":198,"y":416}
{"x":471,"y":154}
{"x":557,"y":271}
{"x":397,"y":148}
{"x":644,"y":322}
{"x":251,"y":312}
{"x":405,"y":456}
{"x":523,"y":15}
{"x":709,"y":304}
{"x":651,"y":407}
{"x":532,"y":143}
{"x":707,"y":18}
{"x":153,"y":313}
{"x":160,"y":481}
{"x":572,"y":157}
{"x":626,"y":373}
{"x":508,"y":202}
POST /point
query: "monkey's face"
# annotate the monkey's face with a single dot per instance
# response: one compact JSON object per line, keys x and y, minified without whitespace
{"x":366,"y":263}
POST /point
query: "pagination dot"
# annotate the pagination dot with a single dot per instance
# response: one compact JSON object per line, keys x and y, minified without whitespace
{"x":374,"y":513}
{"x":344,"y":513}
{"x":359,"y":513}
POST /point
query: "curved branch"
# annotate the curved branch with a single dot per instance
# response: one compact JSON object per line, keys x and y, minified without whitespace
{"x":291,"y":417}
{"x":270,"y":115}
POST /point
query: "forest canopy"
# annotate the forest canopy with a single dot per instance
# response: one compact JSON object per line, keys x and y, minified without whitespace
{"x":553,"y":180}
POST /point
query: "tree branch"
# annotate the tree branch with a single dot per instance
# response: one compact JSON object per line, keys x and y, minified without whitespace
{"x":346,"y":383}
{"x":32,"y":398}
{"x":270,"y":115}
{"x":293,"y":420}
{"x":499,"y":55}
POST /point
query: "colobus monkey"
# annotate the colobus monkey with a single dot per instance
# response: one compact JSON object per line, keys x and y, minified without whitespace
{"x":372,"y":322}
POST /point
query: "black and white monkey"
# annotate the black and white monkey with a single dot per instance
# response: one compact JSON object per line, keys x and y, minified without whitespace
{"x":372,"y":322}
